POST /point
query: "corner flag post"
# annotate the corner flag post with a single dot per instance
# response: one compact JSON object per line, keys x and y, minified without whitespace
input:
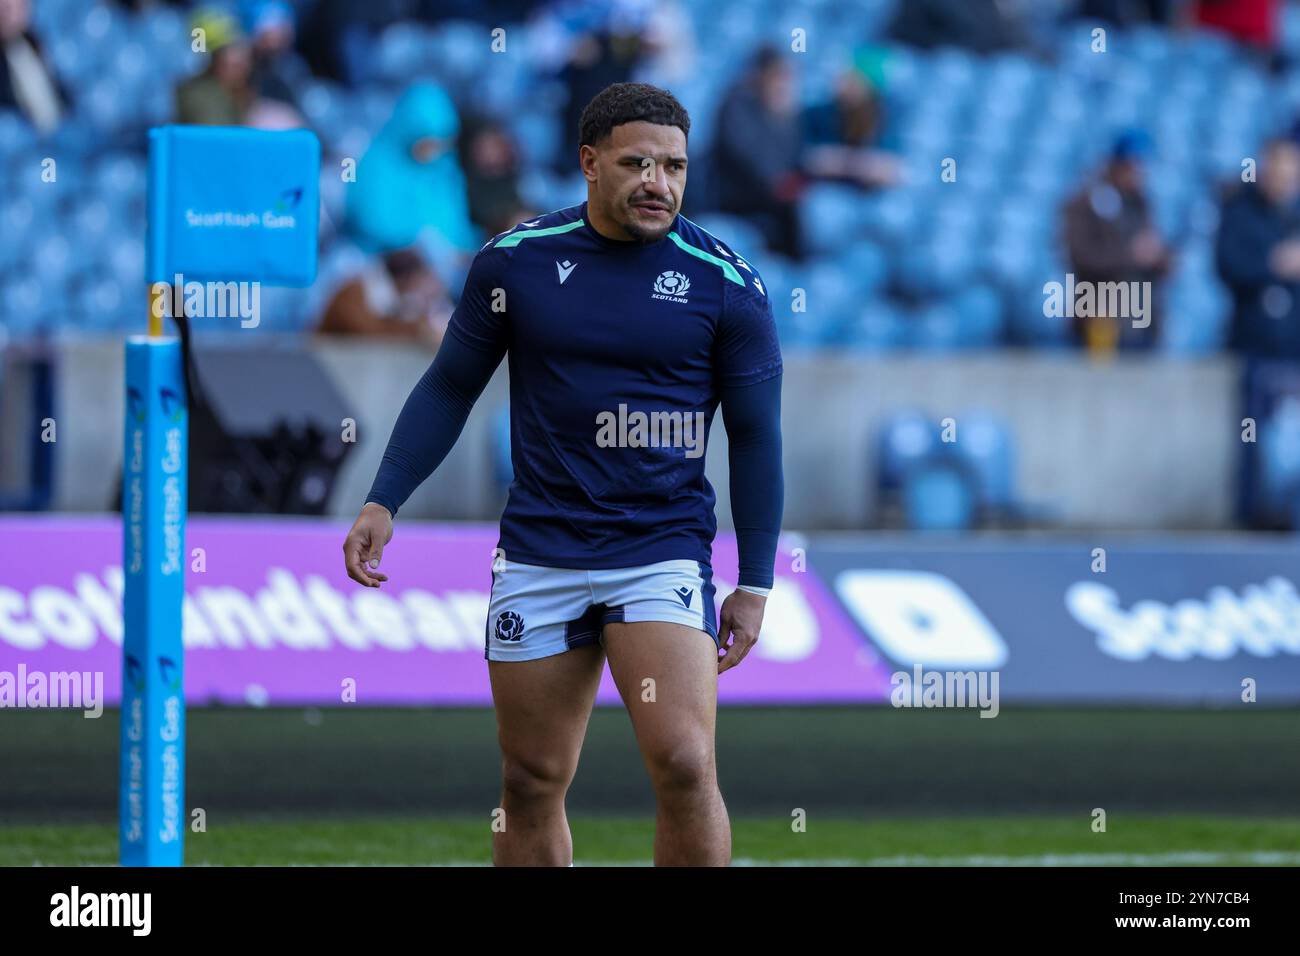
{"x":152,"y":772}
{"x":226,"y":204}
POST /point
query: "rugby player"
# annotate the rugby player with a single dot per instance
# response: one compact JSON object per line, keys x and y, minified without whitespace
{"x":614,"y":313}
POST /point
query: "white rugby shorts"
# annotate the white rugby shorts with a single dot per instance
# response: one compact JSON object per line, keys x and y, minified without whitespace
{"x":536,"y":612}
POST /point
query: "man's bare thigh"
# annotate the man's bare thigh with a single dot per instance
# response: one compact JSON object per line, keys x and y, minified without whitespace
{"x":667,"y":675}
{"x":543,"y":705}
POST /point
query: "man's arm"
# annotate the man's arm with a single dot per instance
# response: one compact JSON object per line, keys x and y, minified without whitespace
{"x":748,"y":370}
{"x":752,"y":414}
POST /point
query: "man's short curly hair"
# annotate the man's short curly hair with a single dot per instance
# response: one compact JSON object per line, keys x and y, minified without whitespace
{"x":621,"y":103}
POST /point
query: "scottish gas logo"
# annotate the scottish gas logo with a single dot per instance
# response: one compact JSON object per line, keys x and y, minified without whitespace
{"x":279,"y":216}
{"x":288,"y":200}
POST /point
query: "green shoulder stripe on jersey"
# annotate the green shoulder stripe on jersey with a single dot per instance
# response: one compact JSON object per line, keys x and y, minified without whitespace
{"x":727,"y":268}
{"x":517,"y":237}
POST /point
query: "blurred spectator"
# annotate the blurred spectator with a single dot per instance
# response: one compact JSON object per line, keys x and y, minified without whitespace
{"x":277,"y":70}
{"x":1110,"y":237}
{"x":656,"y":38}
{"x":668,"y":48}
{"x":409,"y":180}
{"x":840,"y":134}
{"x":398,"y":297}
{"x":1258,"y":255}
{"x":979,"y":25}
{"x":1252,"y":22}
{"x":757,"y":152}
{"x":141,"y":6}
{"x":493,"y":13}
{"x":222,"y":94}
{"x":595,"y":61}
{"x":1128,"y":12}
{"x":491,"y":163}
{"x":27,"y":83}
{"x":339,"y":38}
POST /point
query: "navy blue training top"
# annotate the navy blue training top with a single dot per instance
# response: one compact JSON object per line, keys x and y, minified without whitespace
{"x":597,"y":331}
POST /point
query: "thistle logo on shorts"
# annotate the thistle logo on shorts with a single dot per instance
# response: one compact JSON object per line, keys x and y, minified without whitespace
{"x":510,"y":626}
{"x":672,"y":286}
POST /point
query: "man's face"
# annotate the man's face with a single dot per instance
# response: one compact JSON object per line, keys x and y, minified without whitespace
{"x":637,"y":178}
{"x":1282,"y":172}
{"x":1127,"y":174}
{"x":428,"y":148}
{"x":776,"y":89}
{"x":233,"y":64}
{"x":14,"y":17}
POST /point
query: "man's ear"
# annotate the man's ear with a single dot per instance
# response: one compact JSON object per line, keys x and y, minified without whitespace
{"x":587,"y":159}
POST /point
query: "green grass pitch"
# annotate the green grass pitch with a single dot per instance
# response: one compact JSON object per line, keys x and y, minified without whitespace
{"x":417,"y":786}
{"x":974,"y":841}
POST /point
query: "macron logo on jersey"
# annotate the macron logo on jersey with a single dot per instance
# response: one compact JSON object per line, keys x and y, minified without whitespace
{"x":565,"y":269}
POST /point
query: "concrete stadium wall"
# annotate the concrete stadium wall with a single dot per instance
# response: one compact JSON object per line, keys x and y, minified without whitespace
{"x":1129,"y":443}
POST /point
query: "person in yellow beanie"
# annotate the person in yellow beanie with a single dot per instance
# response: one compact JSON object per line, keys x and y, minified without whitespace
{"x":222,"y":94}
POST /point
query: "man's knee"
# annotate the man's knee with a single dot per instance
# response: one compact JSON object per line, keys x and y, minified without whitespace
{"x":535,"y":779}
{"x":680,"y":767}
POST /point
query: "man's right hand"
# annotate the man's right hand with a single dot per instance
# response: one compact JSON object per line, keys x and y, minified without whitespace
{"x":364,"y":547}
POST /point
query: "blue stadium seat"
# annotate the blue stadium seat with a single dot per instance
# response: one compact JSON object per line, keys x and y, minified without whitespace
{"x":460,"y":53}
{"x":23,"y":302}
{"x":879,"y":326}
{"x":867,"y":264}
{"x":938,"y":497}
{"x":120,"y":175}
{"x":100,"y":303}
{"x":831,"y":301}
{"x":540,"y":131}
{"x":91,"y":222}
{"x":125,"y":259}
{"x":324,"y":108}
{"x":939,"y":265}
{"x":936,"y":328}
{"x":52,"y":260}
{"x":984,"y":446}
{"x":906,"y":439}
{"x":891,"y":215}
{"x":403,"y":53}
{"x":17,"y":221}
{"x":16,"y":135}
{"x":831,"y":216}
{"x":980,"y":319}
